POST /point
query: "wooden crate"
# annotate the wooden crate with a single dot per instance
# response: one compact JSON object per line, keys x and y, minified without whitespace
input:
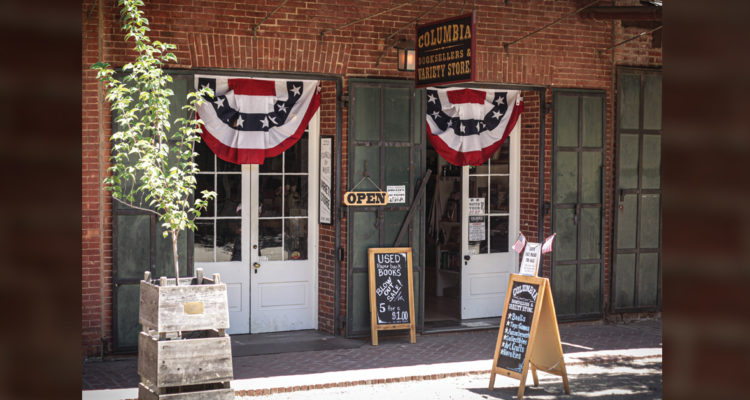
{"x":184,"y":362}
{"x":188,"y":307}
{"x":147,"y":393}
{"x":184,"y":352}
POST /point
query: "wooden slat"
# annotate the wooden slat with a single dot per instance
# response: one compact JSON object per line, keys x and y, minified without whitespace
{"x":185,"y":362}
{"x":145,"y":393}
{"x":163,"y":307}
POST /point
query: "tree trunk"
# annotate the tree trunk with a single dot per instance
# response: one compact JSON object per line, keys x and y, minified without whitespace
{"x":176,"y":258}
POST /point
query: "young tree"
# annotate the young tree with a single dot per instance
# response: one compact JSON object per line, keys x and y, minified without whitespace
{"x":153,"y":166}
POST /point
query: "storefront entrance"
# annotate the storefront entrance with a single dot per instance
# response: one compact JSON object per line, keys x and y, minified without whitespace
{"x":261,"y":236}
{"x":473,"y":216}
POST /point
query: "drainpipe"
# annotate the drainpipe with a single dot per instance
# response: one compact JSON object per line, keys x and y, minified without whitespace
{"x":336,"y":212}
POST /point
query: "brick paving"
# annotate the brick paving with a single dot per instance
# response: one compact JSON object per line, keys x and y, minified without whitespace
{"x":396,"y":352}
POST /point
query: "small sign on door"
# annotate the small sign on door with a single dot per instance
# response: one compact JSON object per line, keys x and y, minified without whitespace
{"x":476,"y":205}
{"x":396,"y":194}
{"x":477,"y":230}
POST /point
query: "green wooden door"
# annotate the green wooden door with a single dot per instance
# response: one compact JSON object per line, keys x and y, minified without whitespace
{"x":577,"y":203}
{"x":138,"y":246}
{"x":637,"y":239}
{"x":386,"y":145}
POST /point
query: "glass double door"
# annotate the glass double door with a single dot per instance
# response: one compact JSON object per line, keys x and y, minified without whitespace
{"x":260,"y":234}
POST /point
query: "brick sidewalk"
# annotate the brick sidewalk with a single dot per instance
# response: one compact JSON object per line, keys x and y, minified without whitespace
{"x":394,"y":352}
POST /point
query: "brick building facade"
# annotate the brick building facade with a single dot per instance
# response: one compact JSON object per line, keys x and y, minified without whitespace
{"x":234,"y":38}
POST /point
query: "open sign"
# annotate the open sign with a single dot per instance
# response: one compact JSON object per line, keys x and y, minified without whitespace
{"x":366,"y":198}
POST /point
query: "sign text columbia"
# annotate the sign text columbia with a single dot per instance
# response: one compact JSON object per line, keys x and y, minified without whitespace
{"x":445,"y":51}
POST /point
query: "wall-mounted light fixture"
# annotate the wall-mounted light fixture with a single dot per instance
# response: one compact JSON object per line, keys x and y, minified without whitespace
{"x":406,"y":54}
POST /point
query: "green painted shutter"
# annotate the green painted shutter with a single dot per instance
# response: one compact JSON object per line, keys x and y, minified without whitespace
{"x":636,"y":264}
{"x":577,"y":203}
{"x":385,"y":145}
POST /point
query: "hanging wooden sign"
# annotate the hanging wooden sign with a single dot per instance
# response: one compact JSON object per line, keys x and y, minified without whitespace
{"x":391,"y":291}
{"x":445,"y":51}
{"x":366,"y":198}
{"x":528,"y":336}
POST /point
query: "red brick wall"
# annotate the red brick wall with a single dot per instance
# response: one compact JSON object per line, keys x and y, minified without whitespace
{"x":219,"y":35}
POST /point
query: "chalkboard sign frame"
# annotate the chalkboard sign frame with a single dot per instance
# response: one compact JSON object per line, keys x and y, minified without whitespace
{"x":544,"y":348}
{"x":375,"y":326}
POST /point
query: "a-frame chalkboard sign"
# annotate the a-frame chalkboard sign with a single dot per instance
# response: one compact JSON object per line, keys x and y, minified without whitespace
{"x":391,"y":291}
{"x":528,"y":336}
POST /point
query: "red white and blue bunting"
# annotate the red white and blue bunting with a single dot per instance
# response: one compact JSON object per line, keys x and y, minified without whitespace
{"x":249,"y":120}
{"x":466,"y":126}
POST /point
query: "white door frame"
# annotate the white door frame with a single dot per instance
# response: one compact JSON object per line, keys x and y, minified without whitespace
{"x":492,"y":270}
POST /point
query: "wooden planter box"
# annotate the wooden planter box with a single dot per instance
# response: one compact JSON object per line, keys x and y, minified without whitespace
{"x":184,"y":352}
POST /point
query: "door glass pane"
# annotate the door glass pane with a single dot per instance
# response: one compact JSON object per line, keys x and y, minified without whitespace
{"x":295,"y":195}
{"x":652,"y":101}
{"x":500,"y":160}
{"x":624,"y":280}
{"x":651,"y":160}
{"x":270,"y":196}
{"x":206,"y":182}
{"x":205,"y":158}
{"x":477,"y":230}
{"x":649,"y":229}
{"x":626,"y":215}
{"x":133,"y":244}
{"x":566,"y":121}
{"x":478,"y":188}
{"x":589,"y":283}
{"x":397,"y":101}
{"x":397,"y":169}
{"x":498,"y":234}
{"x":564,"y":289}
{"x":591,"y":177}
{"x":566,"y":177}
{"x":295,"y":239}
{"x":272,"y":164}
{"x":269,"y":239}
{"x":648,"y":279}
{"x":165,"y":257}
{"x":228,"y":239}
{"x":295,"y":158}
{"x":592,"y":122}
{"x":628,"y":161}
{"x":591,"y":240}
{"x":567,"y":240}
{"x":128,"y":300}
{"x":203,"y":241}
{"x":499,"y":194}
{"x":224,"y":166}
{"x":367,"y":109}
{"x":228,"y":195}
{"x":629,"y":101}
{"x":366,"y":162}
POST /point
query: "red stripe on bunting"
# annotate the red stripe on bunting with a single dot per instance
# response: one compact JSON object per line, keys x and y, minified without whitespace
{"x":473,"y":157}
{"x":462,"y":96}
{"x":252,"y":87}
{"x":258,"y":156}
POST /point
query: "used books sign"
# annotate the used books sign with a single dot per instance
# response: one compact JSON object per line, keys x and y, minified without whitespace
{"x":445,"y":51}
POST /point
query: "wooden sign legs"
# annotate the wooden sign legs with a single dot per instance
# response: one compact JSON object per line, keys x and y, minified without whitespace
{"x":544,"y":352}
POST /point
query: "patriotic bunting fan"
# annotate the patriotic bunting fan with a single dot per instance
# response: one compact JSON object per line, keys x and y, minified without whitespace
{"x":249,"y":120}
{"x":466,"y":126}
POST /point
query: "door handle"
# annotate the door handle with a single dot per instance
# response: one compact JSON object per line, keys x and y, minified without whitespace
{"x":466,"y":259}
{"x":256,"y":266}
